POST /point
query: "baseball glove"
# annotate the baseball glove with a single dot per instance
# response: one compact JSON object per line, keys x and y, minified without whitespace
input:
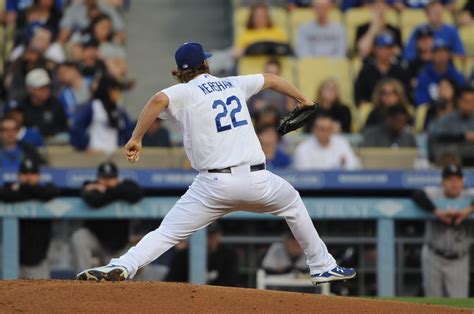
{"x":296,"y":119}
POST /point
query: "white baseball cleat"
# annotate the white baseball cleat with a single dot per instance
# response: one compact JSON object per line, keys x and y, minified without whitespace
{"x":335,"y":274}
{"x":104,"y":273}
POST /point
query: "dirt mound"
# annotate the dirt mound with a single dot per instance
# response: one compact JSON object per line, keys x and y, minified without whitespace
{"x":41,"y":296}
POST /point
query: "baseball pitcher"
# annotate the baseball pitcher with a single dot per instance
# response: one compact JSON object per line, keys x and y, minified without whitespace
{"x":220,"y":141}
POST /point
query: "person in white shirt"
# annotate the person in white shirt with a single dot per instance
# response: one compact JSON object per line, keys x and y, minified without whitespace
{"x":325,"y":150}
{"x":321,"y":38}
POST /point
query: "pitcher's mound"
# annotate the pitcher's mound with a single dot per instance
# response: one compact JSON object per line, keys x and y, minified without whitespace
{"x":139,"y":297}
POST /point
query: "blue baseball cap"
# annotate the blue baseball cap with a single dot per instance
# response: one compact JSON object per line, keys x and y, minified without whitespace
{"x":190,"y":55}
{"x":384,"y":40}
{"x":440,"y":44}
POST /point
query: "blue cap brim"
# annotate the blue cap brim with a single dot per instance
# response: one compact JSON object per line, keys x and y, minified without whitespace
{"x":207,"y":55}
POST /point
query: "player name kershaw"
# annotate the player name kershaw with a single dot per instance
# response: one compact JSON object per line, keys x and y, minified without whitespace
{"x":216,"y":86}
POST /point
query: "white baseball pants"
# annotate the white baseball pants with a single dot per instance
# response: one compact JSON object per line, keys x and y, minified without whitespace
{"x":211,"y":196}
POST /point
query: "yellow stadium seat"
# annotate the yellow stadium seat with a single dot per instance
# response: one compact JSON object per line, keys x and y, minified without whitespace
{"x":358,"y":16}
{"x":312,"y":71}
{"x":460,"y":4}
{"x":364,"y":111}
{"x":356,"y":65}
{"x":241,"y":14}
{"x":301,"y":16}
{"x":420,"y":117}
{"x":255,"y":64}
{"x":387,"y":158}
{"x":410,"y":18}
{"x":467,"y":36}
{"x":465,"y":66}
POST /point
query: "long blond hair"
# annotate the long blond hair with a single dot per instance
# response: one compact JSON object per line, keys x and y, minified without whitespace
{"x":399,"y":90}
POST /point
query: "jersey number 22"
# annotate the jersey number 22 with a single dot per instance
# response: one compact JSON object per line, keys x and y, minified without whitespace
{"x":223,"y":113}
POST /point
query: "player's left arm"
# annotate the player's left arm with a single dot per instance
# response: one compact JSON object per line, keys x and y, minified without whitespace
{"x":284,"y":87}
{"x":149,"y":114}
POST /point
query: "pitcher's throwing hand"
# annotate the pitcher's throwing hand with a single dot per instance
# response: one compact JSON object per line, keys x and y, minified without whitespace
{"x":132,"y":150}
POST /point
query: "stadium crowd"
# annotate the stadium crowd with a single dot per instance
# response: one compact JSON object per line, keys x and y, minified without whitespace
{"x":374,"y":71}
{"x":64,"y":72}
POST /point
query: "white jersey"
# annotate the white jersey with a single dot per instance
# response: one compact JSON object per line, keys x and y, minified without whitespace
{"x":213,"y":117}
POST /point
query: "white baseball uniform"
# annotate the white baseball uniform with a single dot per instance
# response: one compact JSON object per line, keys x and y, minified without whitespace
{"x":217,"y":130}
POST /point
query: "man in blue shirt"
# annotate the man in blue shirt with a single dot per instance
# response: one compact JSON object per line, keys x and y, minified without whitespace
{"x":12,"y":151}
{"x":448,"y":33}
{"x":269,"y":139}
{"x":433,"y":73}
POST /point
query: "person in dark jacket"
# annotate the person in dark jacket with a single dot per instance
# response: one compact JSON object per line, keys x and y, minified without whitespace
{"x":424,"y":52}
{"x":35,"y":234}
{"x":13,"y":151}
{"x":103,"y":238}
{"x":445,"y":253}
{"x":455,"y":131}
{"x":382,"y":65}
{"x":40,"y":108}
{"x":222,"y":262}
{"x":157,"y":136}
{"x":393,"y":133}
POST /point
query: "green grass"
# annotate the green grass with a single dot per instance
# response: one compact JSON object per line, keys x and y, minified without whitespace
{"x":466,"y":303}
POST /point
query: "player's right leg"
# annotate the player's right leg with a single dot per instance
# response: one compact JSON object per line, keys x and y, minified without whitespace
{"x":284,"y":201}
{"x":187,"y":216}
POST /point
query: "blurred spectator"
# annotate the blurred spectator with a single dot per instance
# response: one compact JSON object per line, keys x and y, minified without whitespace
{"x":103,"y":238}
{"x":394,"y":132}
{"x":157,"y":136}
{"x":222,"y":262}
{"x":78,"y":16}
{"x":35,"y":234}
{"x":321,"y":38}
{"x":40,"y":108}
{"x":325,"y":150}
{"x":13,"y":151}
{"x":293,"y":4}
{"x":259,"y":28}
{"x":42,"y":12}
{"x":267,"y":116}
{"x":447,"y":33}
{"x":41,"y":41}
{"x":388,"y":92}
{"x":270,"y":98}
{"x":328,"y":97}
{"x":466,"y":16}
{"x":427,"y":88}
{"x":445,"y":253}
{"x":76,"y":92}
{"x":285,"y":256}
{"x":91,"y":65}
{"x":366,"y":33}
{"x":101,"y":31}
{"x":275,"y":157}
{"x":102,"y":125}
{"x":455,"y":130}
{"x":348,"y":4}
{"x":28,"y":135}
{"x":382,"y":65}
{"x":424,"y":52}
{"x":400,"y":5}
{"x":445,"y":104}
{"x":17,"y":71}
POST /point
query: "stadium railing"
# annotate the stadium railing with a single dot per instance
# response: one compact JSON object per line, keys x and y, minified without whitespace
{"x":384,"y":210}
